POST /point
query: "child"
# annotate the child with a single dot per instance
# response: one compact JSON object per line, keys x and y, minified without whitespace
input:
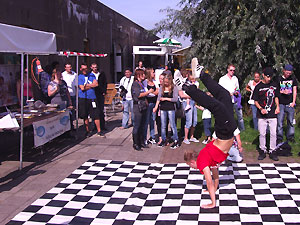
{"x":192,"y":80}
{"x":215,"y":152}
{"x":206,"y":119}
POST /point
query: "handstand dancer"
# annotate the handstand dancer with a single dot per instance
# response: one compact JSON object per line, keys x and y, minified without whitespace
{"x":214,"y":153}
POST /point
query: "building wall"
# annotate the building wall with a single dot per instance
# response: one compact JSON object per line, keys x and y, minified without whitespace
{"x":82,"y":26}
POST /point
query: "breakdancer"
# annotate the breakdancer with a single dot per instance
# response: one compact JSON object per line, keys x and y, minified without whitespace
{"x":214,"y":153}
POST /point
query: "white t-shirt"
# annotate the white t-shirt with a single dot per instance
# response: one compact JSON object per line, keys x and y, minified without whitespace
{"x":252,"y":86}
{"x":230,"y":84}
{"x":206,"y":114}
{"x":96,"y":75}
{"x":71,"y":80}
{"x":127,"y":83}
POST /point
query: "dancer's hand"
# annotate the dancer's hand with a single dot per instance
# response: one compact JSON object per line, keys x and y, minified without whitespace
{"x":208,"y":206}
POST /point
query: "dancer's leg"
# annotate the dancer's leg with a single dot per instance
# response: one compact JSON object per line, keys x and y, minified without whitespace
{"x":224,"y":118}
{"x":219,"y":92}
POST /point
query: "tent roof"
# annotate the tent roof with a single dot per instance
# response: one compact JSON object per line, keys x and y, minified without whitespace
{"x":15,"y":39}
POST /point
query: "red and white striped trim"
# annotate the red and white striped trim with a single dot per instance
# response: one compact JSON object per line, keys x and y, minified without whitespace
{"x":81,"y":54}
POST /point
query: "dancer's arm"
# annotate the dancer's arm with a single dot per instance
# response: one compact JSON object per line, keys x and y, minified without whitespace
{"x":210,"y":187}
{"x":215,"y":174}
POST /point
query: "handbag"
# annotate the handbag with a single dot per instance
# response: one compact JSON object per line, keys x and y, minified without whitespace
{"x":142,"y":105}
{"x":179,"y":111}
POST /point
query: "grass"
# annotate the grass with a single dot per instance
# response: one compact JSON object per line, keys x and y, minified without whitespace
{"x":250,"y":136}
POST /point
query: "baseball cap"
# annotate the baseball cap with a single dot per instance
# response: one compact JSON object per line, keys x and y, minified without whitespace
{"x":288,"y":67}
{"x":268,"y":71}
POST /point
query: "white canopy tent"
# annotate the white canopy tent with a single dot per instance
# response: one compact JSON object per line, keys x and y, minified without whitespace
{"x":25,"y":41}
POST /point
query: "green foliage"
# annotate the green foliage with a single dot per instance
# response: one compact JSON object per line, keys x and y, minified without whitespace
{"x":250,"y":34}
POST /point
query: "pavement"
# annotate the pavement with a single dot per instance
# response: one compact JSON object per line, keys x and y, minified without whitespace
{"x":41,"y":172}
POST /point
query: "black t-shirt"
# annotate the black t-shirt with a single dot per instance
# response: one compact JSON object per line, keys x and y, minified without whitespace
{"x":265,"y":94}
{"x":286,"y":84}
{"x":167,"y":105}
{"x":151,"y":99}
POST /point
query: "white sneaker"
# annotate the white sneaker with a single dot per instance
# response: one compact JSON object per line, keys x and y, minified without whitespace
{"x":205,"y":141}
{"x":196,"y":68}
{"x":186,"y":141}
{"x":194,"y":140}
{"x":178,"y":80}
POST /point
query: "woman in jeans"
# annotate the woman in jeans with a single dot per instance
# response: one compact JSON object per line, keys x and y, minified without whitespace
{"x":167,"y":98}
{"x":150,"y":83}
{"x":139,"y":93}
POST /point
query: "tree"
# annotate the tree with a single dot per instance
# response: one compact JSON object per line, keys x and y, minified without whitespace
{"x":250,"y":34}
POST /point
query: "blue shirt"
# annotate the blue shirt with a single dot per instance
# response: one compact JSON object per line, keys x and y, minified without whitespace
{"x":82,"y":80}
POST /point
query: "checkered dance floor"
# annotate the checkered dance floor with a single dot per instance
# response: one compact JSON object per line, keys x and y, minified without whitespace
{"x":117,"y":192}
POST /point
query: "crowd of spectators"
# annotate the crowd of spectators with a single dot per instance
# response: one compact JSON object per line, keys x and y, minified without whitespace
{"x":271,"y":98}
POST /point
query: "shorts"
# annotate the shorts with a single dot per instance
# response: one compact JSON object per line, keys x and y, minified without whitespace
{"x":210,"y":156}
{"x":86,"y":108}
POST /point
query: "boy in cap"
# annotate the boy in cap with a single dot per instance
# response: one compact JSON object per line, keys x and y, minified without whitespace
{"x":287,"y":101}
{"x":215,"y":152}
{"x":265,"y":96}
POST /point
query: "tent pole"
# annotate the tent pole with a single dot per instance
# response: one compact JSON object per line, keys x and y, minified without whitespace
{"x":77,"y":71}
{"x":133,"y":62}
{"x":27,"y":79}
{"x":22,"y":111}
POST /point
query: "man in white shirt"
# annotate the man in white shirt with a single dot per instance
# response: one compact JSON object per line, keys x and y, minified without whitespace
{"x":125,"y":92}
{"x":70,"y":77}
{"x":230,"y":83}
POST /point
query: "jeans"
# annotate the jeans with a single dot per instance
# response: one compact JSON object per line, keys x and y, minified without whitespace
{"x":289,"y":111}
{"x":234,"y":154}
{"x":171,"y":115}
{"x":262,"y":128}
{"x":239,"y":114}
{"x":128,"y":106}
{"x":207,"y":126}
{"x":150,"y":118}
{"x":191,"y":115}
{"x":139,"y":122}
{"x":255,"y":120}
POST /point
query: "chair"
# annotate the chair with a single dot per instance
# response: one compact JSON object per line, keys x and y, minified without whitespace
{"x":112,"y":96}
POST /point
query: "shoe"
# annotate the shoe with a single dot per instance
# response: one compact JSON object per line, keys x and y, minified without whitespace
{"x":162,"y":144}
{"x":196,"y":68}
{"x":205,"y":141}
{"x":101,"y":134}
{"x":144,"y":145}
{"x":88,"y":134}
{"x":178,"y":80}
{"x":137,"y":147}
{"x":273,"y":156}
{"x":292,"y":140}
{"x":194,"y":140}
{"x":175,"y":145}
{"x":261,"y":155}
{"x":151,"y":141}
{"x":186,"y":141}
{"x":187,"y":108}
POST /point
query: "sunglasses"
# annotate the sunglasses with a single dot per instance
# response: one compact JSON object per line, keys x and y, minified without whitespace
{"x":232,"y":70}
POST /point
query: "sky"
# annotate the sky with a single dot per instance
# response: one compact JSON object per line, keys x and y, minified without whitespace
{"x":144,"y":12}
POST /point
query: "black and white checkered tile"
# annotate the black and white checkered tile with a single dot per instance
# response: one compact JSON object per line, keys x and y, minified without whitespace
{"x":117,"y":192}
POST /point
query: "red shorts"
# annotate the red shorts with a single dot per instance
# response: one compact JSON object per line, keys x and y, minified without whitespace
{"x":210,"y":156}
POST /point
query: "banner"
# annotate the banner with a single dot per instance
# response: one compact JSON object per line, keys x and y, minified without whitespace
{"x":48,"y":129}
